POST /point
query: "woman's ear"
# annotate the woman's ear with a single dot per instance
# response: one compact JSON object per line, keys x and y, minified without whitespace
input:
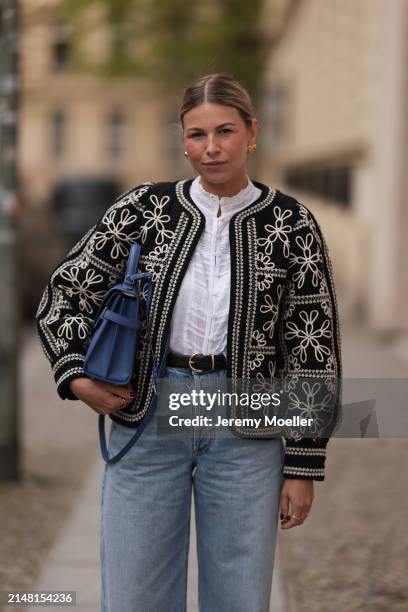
{"x":180,"y":130}
{"x":253,"y":130}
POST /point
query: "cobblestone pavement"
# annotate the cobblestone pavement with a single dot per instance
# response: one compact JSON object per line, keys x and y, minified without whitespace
{"x":352,"y":553}
{"x":59,"y":445}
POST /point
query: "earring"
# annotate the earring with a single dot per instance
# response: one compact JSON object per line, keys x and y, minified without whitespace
{"x":252,"y":147}
{"x":185,"y":153}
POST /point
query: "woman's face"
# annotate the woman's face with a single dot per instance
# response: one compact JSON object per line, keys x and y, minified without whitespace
{"x":216,"y":139}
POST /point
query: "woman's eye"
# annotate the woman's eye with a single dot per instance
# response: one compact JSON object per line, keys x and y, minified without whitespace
{"x":225,"y":130}
{"x":196,"y":135}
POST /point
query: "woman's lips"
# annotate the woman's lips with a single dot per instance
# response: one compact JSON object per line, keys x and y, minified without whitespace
{"x":214,"y":164}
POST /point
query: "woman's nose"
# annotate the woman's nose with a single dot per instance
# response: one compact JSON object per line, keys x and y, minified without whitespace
{"x":212,"y":145}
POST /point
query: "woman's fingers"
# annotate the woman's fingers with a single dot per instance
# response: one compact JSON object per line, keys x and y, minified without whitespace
{"x":106,"y":401}
{"x":296,"y":501}
{"x":284,"y":506}
{"x":117,"y":397}
{"x":103,"y":397}
{"x":125,"y":392}
{"x":295,"y":518}
{"x":116,"y":402}
{"x":112,"y":404}
{"x":285,"y":514}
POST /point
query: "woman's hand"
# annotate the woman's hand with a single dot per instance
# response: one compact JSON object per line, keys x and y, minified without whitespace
{"x":299,"y":495}
{"x":101,"y":396}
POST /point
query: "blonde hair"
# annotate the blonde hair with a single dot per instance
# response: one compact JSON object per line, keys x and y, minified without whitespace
{"x":220,"y":89}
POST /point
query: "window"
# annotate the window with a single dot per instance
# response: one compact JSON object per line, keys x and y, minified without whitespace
{"x":116,"y":134}
{"x":330,"y":181}
{"x":275,"y":112}
{"x":59,"y":129}
{"x":8,"y":17}
{"x":61,"y":46}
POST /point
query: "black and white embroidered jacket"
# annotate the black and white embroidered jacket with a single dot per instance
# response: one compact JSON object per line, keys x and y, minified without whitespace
{"x":283,"y":315}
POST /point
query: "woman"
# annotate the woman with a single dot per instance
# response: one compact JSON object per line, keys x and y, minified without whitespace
{"x":242,"y":289}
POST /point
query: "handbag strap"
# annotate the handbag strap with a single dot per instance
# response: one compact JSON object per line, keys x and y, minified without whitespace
{"x":133,"y":259}
{"x":130,"y":277}
{"x":147,"y":418}
{"x":120,"y":319}
{"x":149,"y":336}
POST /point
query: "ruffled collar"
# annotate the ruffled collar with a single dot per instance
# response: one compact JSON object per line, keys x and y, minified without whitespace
{"x":210,"y":201}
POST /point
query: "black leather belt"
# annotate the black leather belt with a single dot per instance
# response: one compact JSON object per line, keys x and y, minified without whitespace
{"x":197,"y":363}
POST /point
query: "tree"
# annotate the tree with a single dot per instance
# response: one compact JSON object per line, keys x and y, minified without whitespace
{"x":173,"y":40}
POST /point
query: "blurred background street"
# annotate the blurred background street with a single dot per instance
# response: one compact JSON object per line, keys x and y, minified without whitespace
{"x":89,"y":94}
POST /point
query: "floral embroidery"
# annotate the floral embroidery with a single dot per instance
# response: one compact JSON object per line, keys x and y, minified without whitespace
{"x":264,"y":384}
{"x":143,"y":289}
{"x":61,"y":344}
{"x":60,"y":303}
{"x":309,"y":336}
{"x":306,"y":262}
{"x":326,"y":307}
{"x":294,"y":363}
{"x":330,"y":365}
{"x":156,"y":259}
{"x":273,"y":308}
{"x":156,"y":219}
{"x":279,"y":231}
{"x":119,"y":273}
{"x":117,"y":233}
{"x":82,"y":288}
{"x":67,"y":327}
{"x":303,"y":214}
{"x":256,"y":355}
{"x":308,"y":401}
{"x":264,"y":271}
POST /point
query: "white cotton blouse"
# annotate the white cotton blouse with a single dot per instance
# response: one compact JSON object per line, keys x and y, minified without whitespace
{"x":200,"y":318}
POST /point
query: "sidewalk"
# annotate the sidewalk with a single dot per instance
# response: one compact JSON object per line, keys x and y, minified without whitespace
{"x":353,"y":554}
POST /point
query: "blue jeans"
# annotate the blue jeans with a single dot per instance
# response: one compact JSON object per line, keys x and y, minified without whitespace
{"x":145,"y":515}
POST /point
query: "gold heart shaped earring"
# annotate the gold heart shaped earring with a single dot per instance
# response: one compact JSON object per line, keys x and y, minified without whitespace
{"x":252,"y":147}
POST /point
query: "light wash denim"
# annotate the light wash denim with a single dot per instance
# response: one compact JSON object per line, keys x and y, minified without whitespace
{"x":145,"y":515}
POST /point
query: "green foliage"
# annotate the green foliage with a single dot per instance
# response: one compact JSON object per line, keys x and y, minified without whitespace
{"x":180,"y":39}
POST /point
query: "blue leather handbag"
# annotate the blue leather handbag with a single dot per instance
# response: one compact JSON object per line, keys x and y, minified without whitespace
{"x":111,"y":354}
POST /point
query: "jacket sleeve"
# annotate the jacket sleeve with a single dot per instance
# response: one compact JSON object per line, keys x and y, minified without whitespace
{"x":310,"y":345}
{"x":77,"y":285}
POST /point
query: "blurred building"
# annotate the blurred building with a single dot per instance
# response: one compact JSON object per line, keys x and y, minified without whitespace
{"x":86,"y":125}
{"x":84,"y":137}
{"x":334,"y":131}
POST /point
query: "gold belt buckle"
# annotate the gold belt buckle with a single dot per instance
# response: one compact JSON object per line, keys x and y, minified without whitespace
{"x":196,"y":370}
